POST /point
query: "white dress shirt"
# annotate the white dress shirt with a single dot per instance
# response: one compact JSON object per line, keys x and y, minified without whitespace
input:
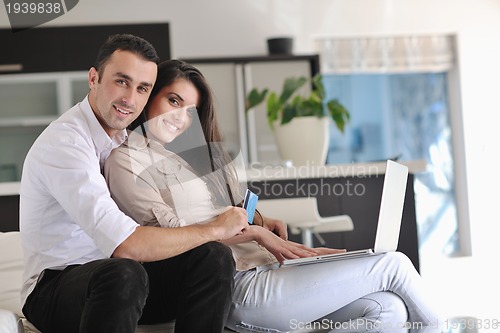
{"x":67,"y":215}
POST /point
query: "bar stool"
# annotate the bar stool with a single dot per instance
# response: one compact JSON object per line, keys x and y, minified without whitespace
{"x":302,"y":216}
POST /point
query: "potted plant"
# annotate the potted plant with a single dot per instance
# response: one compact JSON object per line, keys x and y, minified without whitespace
{"x":300,"y":123}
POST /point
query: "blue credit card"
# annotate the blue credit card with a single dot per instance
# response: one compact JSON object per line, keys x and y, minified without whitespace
{"x":250,"y":204}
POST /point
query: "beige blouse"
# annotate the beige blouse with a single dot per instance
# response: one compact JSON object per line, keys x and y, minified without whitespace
{"x":158,"y":188}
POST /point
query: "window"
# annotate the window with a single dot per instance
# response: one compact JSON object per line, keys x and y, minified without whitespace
{"x":398,"y":92}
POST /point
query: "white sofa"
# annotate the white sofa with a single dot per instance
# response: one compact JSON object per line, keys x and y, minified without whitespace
{"x":11,"y":269}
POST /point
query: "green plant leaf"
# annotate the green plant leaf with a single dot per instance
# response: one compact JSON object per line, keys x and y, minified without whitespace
{"x":273,"y":107}
{"x":290,"y":86}
{"x":339,"y":114}
{"x":319,"y":89}
{"x":283,"y":109}
{"x":288,"y":113}
{"x":254,"y":98}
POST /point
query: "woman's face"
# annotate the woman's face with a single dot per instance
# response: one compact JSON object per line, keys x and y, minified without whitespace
{"x":172,"y":110}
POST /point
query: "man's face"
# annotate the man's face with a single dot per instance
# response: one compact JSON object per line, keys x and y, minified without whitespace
{"x":119,"y":95}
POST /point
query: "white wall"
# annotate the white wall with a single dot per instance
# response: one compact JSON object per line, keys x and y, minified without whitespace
{"x":465,"y":286}
{"x":198,"y":28}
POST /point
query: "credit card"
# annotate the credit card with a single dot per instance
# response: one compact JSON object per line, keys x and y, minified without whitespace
{"x":250,"y":203}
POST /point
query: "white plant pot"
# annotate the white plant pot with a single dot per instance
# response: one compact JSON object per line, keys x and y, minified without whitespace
{"x":304,"y":140}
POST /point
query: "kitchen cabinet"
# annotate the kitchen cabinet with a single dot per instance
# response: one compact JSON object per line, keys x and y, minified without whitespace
{"x":73,"y":48}
{"x":31,"y":50}
{"x":9,"y":205}
{"x":28,"y":103}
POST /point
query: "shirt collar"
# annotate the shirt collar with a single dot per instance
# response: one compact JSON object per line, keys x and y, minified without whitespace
{"x":138,"y":141}
{"x":101,"y":139}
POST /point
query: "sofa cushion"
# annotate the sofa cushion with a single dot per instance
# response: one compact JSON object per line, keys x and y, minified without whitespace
{"x":10,"y":322}
{"x":11,"y":271}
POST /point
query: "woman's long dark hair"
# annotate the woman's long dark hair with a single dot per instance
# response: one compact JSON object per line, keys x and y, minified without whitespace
{"x":207,"y":155}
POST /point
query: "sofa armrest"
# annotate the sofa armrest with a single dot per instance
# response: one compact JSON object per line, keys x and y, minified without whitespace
{"x":11,"y":271}
{"x":10,"y":322}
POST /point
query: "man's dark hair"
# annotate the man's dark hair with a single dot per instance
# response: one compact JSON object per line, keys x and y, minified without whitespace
{"x":125,"y":42}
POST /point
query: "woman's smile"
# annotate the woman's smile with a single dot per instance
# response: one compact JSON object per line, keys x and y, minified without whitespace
{"x":171,"y":126}
{"x":172,"y":110}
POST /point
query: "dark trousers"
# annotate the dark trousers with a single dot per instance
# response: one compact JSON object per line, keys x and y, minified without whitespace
{"x":113,"y":295}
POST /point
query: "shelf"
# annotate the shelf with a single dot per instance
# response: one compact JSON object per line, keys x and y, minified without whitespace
{"x":9,"y":188}
{"x":50,"y":49}
{"x":28,"y":104}
{"x":27,"y":121}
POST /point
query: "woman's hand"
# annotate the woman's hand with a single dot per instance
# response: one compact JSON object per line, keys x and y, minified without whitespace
{"x":273,"y":236}
{"x":283,"y":249}
{"x":276,"y":226}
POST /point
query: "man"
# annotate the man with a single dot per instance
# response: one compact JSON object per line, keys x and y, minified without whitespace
{"x":83,"y":270}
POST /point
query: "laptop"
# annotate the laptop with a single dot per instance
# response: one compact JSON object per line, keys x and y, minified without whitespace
{"x":389,"y":220}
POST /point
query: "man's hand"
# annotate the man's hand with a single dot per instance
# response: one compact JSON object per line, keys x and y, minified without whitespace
{"x":148,"y":243}
{"x":231,"y":222}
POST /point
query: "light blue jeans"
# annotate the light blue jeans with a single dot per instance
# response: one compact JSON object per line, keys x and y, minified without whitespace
{"x":374,"y":293}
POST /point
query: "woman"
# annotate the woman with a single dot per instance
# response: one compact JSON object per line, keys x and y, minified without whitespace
{"x":173,"y":171}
